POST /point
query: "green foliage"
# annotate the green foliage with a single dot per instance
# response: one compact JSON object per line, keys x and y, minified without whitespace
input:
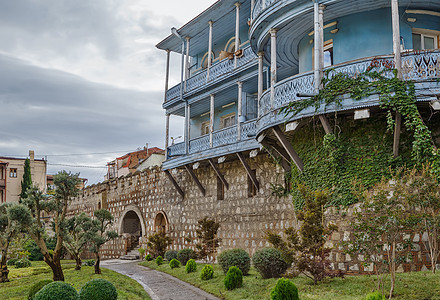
{"x":141,"y":252}
{"x":207,"y":272}
{"x":37,"y":287}
{"x":170,"y":254}
{"x":269,"y":263}
{"x":12,"y":261}
{"x":34,"y":250}
{"x":191,"y":266}
{"x":79,"y":230}
{"x":233,"y":279}
{"x":26,"y":183}
{"x":284,"y":290}
{"x":375,"y":296}
{"x":148,"y":257}
{"x":89,"y":262}
{"x":235,"y":257}
{"x":159,"y":260}
{"x":158,"y":243}
{"x":23,"y":263}
{"x":185,"y":254}
{"x":57,"y":290}
{"x":174,"y":263}
{"x":98,"y":289}
{"x":207,"y":235}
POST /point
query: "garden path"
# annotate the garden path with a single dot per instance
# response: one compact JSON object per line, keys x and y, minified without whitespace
{"x":158,"y":285}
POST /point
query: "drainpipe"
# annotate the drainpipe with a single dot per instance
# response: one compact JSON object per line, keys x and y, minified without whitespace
{"x":260,"y":78}
{"x":167,"y":75}
{"x":209,"y":50}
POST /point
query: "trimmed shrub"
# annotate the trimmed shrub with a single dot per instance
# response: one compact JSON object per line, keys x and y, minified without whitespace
{"x":375,"y":296}
{"x":284,"y":290}
{"x":235,"y":257}
{"x":207,"y":272}
{"x":89,"y":262}
{"x":12,"y":261}
{"x":234,"y":278}
{"x":148,"y":257}
{"x":56,"y":291}
{"x":37,"y":287}
{"x":159,"y":260}
{"x":171,"y":254}
{"x":174,"y":263}
{"x":185,"y":254}
{"x":23,"y":263}
{"x":98,"y":289}
{"x":269,"y":263}
{"x":191,"y":266}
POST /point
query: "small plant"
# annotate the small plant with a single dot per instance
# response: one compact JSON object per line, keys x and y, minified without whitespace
{"x":170,"y":254}
{"x":235,"y":257}
{"x":141,"y":253}
{"x":37,"y":287}
{"x":12,"y":261}
{"x":191,"y":266}
{"x":23,"y":263}
{"x":174,"y":263}
{"x":148,"y":257}
{"x":269,"y":263}
{"x":375,"y":296}
{"x":207,"y":235}
{"x":98,"y":289}
{"x":185,"y":254}
{"x":56,"y":291}
{"x":159,"y":260}
{"x":158,"y":243}
{"x":207,"y":272}
{"x":234,"y":278}
{"x":284,"y":290}
{"x":89,"y":262}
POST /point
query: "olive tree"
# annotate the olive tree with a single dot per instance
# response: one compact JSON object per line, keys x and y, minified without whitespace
{"x":79,"y":231}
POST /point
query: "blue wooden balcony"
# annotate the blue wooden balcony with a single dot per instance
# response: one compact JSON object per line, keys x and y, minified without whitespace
{"x":218,"y":71}
{"x":422,"y":68}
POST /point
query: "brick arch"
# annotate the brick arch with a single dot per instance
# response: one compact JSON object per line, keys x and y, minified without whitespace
{"x":161,"y":223}
{"x":130,"y":209}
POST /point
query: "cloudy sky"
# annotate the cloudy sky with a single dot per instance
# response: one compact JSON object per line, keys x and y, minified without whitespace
{"x":81,"y":81}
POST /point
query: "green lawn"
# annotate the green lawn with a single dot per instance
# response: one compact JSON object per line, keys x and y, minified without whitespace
{"x":22,"y":279}
{"x":411,"y":286}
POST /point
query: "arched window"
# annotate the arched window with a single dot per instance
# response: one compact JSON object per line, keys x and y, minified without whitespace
{"x":161,"y":222}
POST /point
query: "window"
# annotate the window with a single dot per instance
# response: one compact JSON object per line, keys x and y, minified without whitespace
{"x":424,"y":42}
{"x":252,"y":190}
{"x":328,"y":53}
{"x":205,"y":128}
{"x":227,"y":121}
{"x":220,"y":189}
{"x":13,"y":173}
{"x":204,"y":61}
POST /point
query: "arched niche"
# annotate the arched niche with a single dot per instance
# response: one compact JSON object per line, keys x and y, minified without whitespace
{"x":161,"y":223}
{"x":132,"y":222}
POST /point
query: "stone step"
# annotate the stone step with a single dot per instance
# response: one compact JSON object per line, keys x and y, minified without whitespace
{"x":129,"y":257}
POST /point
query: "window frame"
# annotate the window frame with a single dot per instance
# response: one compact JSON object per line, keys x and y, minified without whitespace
{"x":426,"y":33}
{"x":226,"y":117}
{"x":13,"y":173}
{"x":205,"y":125}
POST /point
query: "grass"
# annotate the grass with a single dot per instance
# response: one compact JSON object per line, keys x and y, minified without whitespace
{"x":22,"y":279}
{"x":414,"y":286}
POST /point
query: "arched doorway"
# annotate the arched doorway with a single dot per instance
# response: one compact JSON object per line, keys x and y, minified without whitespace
{"x":161,"y":222}
{"x":131,"y":227}
{"x":131,"y":224}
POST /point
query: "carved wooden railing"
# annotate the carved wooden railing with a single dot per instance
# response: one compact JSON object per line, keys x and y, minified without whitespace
{"x":259,"y":6}
{"x":248,"y":130}
{"x":199,"y":144}
{"x":176,"y":149}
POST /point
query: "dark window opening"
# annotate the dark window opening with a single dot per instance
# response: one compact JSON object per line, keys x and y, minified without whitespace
{"x":220,"y":189}
{"x":252,"y":190}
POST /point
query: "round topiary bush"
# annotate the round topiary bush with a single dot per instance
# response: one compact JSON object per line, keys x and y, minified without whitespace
{"x":207,"y":272}
{"x":174,"y":263}
{"x":171,"y":254}
{"x":36,"y":287}
{"x":12,"y":261}
{"x":185,"y":254}
{"x":23,"y":263}
{"x":235,"y":257}
{"x":148,"y":257}
{"x":159,"y":260}
{"x":234,"y":278}
{"x":56,"y":291}
{"x":375,"y":296}
{"x":269,"y":263}
{"x":284,"y":290}
{"x":191,"y":266}
{"x":98,"y":289}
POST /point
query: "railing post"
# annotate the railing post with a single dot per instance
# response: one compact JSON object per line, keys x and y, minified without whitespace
{"x":260,"y":80}
{"x":209,"y":50}
{"x":263,"y":4}
{"x":187,"y":62}
{"x":237,"y":31}
{"x":321,"y":41}
{"x":273,"y":64}
{"x":167,"y":131}
{"x":318,"y":11}
{"x":239,"y":109}
{"x":167,"y":74}
{"x":211,"y":122}
{"x":252,"y":10}
{"x":187,"y":126}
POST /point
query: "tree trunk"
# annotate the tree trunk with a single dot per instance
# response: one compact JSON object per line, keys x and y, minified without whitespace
{"x":97,"y":269}
{"x":4,"y":272}
{"x":55,"y":265}
{"x":78,"y":262}
{"x":393,"y":270}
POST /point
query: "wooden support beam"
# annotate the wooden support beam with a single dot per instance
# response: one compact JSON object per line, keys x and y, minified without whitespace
{"x":283,"y":153}
{"x":325,"y":124}
{"x":219,"y":174}
{"x":171,"y":178}
{"x":249,"y":170}
{"x":288,"y":147}
{"x":196,"y":180}
{"x":285,"y":162}
{"x":397,"y":126}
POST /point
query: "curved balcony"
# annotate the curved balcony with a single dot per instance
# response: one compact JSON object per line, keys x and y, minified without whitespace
{"x":422,"y":68}
{"x":217,"y":72}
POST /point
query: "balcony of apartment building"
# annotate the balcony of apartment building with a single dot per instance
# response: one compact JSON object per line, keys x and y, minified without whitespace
{"x":3,"y":170}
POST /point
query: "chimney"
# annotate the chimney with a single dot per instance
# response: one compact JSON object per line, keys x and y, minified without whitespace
{"x":31,"y":155}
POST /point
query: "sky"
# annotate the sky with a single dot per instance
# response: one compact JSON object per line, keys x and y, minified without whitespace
{"x":81,"y":82}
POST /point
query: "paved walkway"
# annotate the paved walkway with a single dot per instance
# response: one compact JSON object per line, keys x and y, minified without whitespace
{"x":158,"y":285}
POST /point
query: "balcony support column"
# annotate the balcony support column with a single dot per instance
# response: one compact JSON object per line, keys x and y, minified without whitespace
{"x":319,"y":47}
{"x":196,"y":180}
{"x":260,"y":79}
{"x":263,"y":4}
{"x":211,"y":122}
{"x":167,"y":74}
{"x":167,"y":130}
{"x":252,"y":9}
{"x":239,"y":109}
{"x":398,"y":66}
{"x":187,"y":62}
{"x":273,"y":64}
{"x":248,"y":170}
{"x":209,"y":50}
{"x":219,"y":174}
{"x":176,"y":185}
{"x":237,"y":31}
{"x":187,"y":126}
{"x":288,"y":147}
